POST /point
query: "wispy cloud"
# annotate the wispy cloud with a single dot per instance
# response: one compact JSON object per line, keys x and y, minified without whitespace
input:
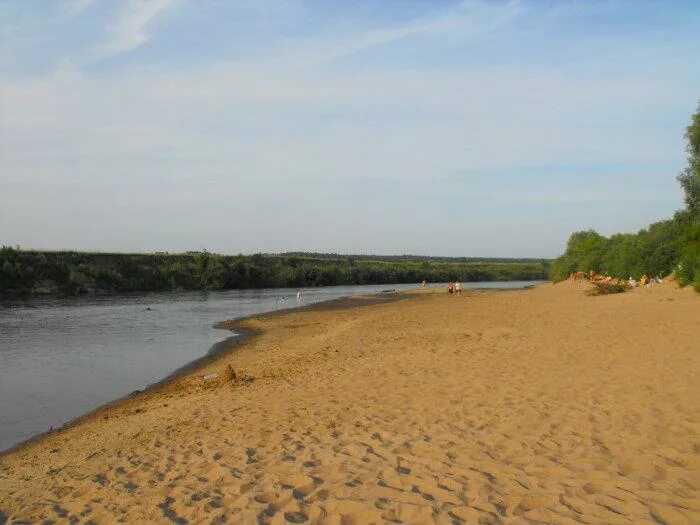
{"x":466,"y":18}
{"x":130,"y":29}
{"x":75,"y":7}
{"x":287,"y":108}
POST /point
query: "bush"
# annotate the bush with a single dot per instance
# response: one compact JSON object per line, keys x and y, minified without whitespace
{"x":609,"y":287}
{"x":688,"y":269}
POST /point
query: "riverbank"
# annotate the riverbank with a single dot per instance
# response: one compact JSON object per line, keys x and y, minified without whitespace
{"x":241,"y":334}
{"x":537,"y":405}
{"x":69,"y":273}
{"x":62,"y":358}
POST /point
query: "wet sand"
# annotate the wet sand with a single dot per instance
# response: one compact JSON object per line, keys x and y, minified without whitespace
{"x":533,"y":406}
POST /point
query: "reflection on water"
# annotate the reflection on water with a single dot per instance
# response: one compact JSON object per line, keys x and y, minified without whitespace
{"x":60,"y":358}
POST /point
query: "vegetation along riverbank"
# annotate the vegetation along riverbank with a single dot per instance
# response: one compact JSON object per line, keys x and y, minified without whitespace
{"x":71,"y":273}
{"x":671,"y":245}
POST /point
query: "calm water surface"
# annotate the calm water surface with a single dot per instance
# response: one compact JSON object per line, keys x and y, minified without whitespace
{"x":60,"y":358}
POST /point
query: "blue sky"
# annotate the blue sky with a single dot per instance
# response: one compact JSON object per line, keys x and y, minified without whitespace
{"x":427,"y":127}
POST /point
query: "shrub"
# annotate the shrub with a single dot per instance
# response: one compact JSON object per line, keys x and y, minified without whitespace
{"x":609,"y":287}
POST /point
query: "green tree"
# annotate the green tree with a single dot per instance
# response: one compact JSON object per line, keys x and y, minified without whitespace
{"x":690,"y":176}
{"x":665,"y":246}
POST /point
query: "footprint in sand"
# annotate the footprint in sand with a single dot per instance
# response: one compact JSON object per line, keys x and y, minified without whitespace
{"x":296,"y":517}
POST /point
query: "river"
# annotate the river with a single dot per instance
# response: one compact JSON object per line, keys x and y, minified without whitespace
{"x":62,"y":357}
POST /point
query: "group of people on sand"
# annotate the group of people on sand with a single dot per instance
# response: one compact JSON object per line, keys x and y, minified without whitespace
{"x":455,"y":288}
{"x":646,"y":281}
{"x":591,"y":276}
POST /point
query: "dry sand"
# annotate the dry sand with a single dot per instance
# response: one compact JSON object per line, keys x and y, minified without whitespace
{"x":535,"y":406}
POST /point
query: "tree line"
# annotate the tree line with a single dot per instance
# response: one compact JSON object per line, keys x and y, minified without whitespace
{"x":70,"y":272}
{"x":413,"y":258}
{"x":664,"y":247}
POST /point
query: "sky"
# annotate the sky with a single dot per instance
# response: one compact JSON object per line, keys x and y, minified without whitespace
{"x":477,"y":128}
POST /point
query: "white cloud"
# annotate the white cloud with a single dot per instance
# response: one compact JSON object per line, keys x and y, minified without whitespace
{"x":466,"y":18}
{"x":129,"y":30}
{"x":75,"y":7}
{"x":259,"y":149}
{"x":399,"y":124}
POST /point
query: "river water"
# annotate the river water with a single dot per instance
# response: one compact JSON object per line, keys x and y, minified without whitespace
{"x":60,"y":358}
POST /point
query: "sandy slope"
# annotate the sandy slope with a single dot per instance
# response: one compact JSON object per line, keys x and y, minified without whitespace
{"x":537,"y":406}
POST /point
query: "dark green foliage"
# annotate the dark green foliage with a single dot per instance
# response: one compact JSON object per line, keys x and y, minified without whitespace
{"x":74,"y":272}
{"x":688,"y":269}
{"x":664,"y":247}
{"x":653,"y":251}
{"x":690,"y":177}
{"x":584,"y":250}
{"x":409,"y":258}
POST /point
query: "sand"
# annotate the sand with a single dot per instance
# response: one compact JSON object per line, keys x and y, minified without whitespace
{"x":535,"y":406}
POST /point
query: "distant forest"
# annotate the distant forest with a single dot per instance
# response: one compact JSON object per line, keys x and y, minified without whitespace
{"x":72,"y":273}
{"x":665,"y":247}
{"x":412,"y":258}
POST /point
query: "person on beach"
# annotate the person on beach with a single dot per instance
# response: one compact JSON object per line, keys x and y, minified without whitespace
{"x":299,"y":295}
{"x":450,"y":287}
{"x":458,"y":288}
{"x":425,"y":284}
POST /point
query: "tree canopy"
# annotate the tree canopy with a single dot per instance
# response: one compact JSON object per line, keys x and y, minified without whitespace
{"x":663,"y":247}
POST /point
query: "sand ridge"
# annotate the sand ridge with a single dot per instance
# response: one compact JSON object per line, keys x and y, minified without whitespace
{"x":536,"y":406}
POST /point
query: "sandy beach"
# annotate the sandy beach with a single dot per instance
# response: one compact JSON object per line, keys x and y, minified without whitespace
{"x":544,"y":405}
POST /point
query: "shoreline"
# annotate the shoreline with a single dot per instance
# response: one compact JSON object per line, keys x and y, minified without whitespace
{"x":232,"y":342}
{"x":547,"y":406}
{"x":224,"y":347}
{"x":9,"y":295}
